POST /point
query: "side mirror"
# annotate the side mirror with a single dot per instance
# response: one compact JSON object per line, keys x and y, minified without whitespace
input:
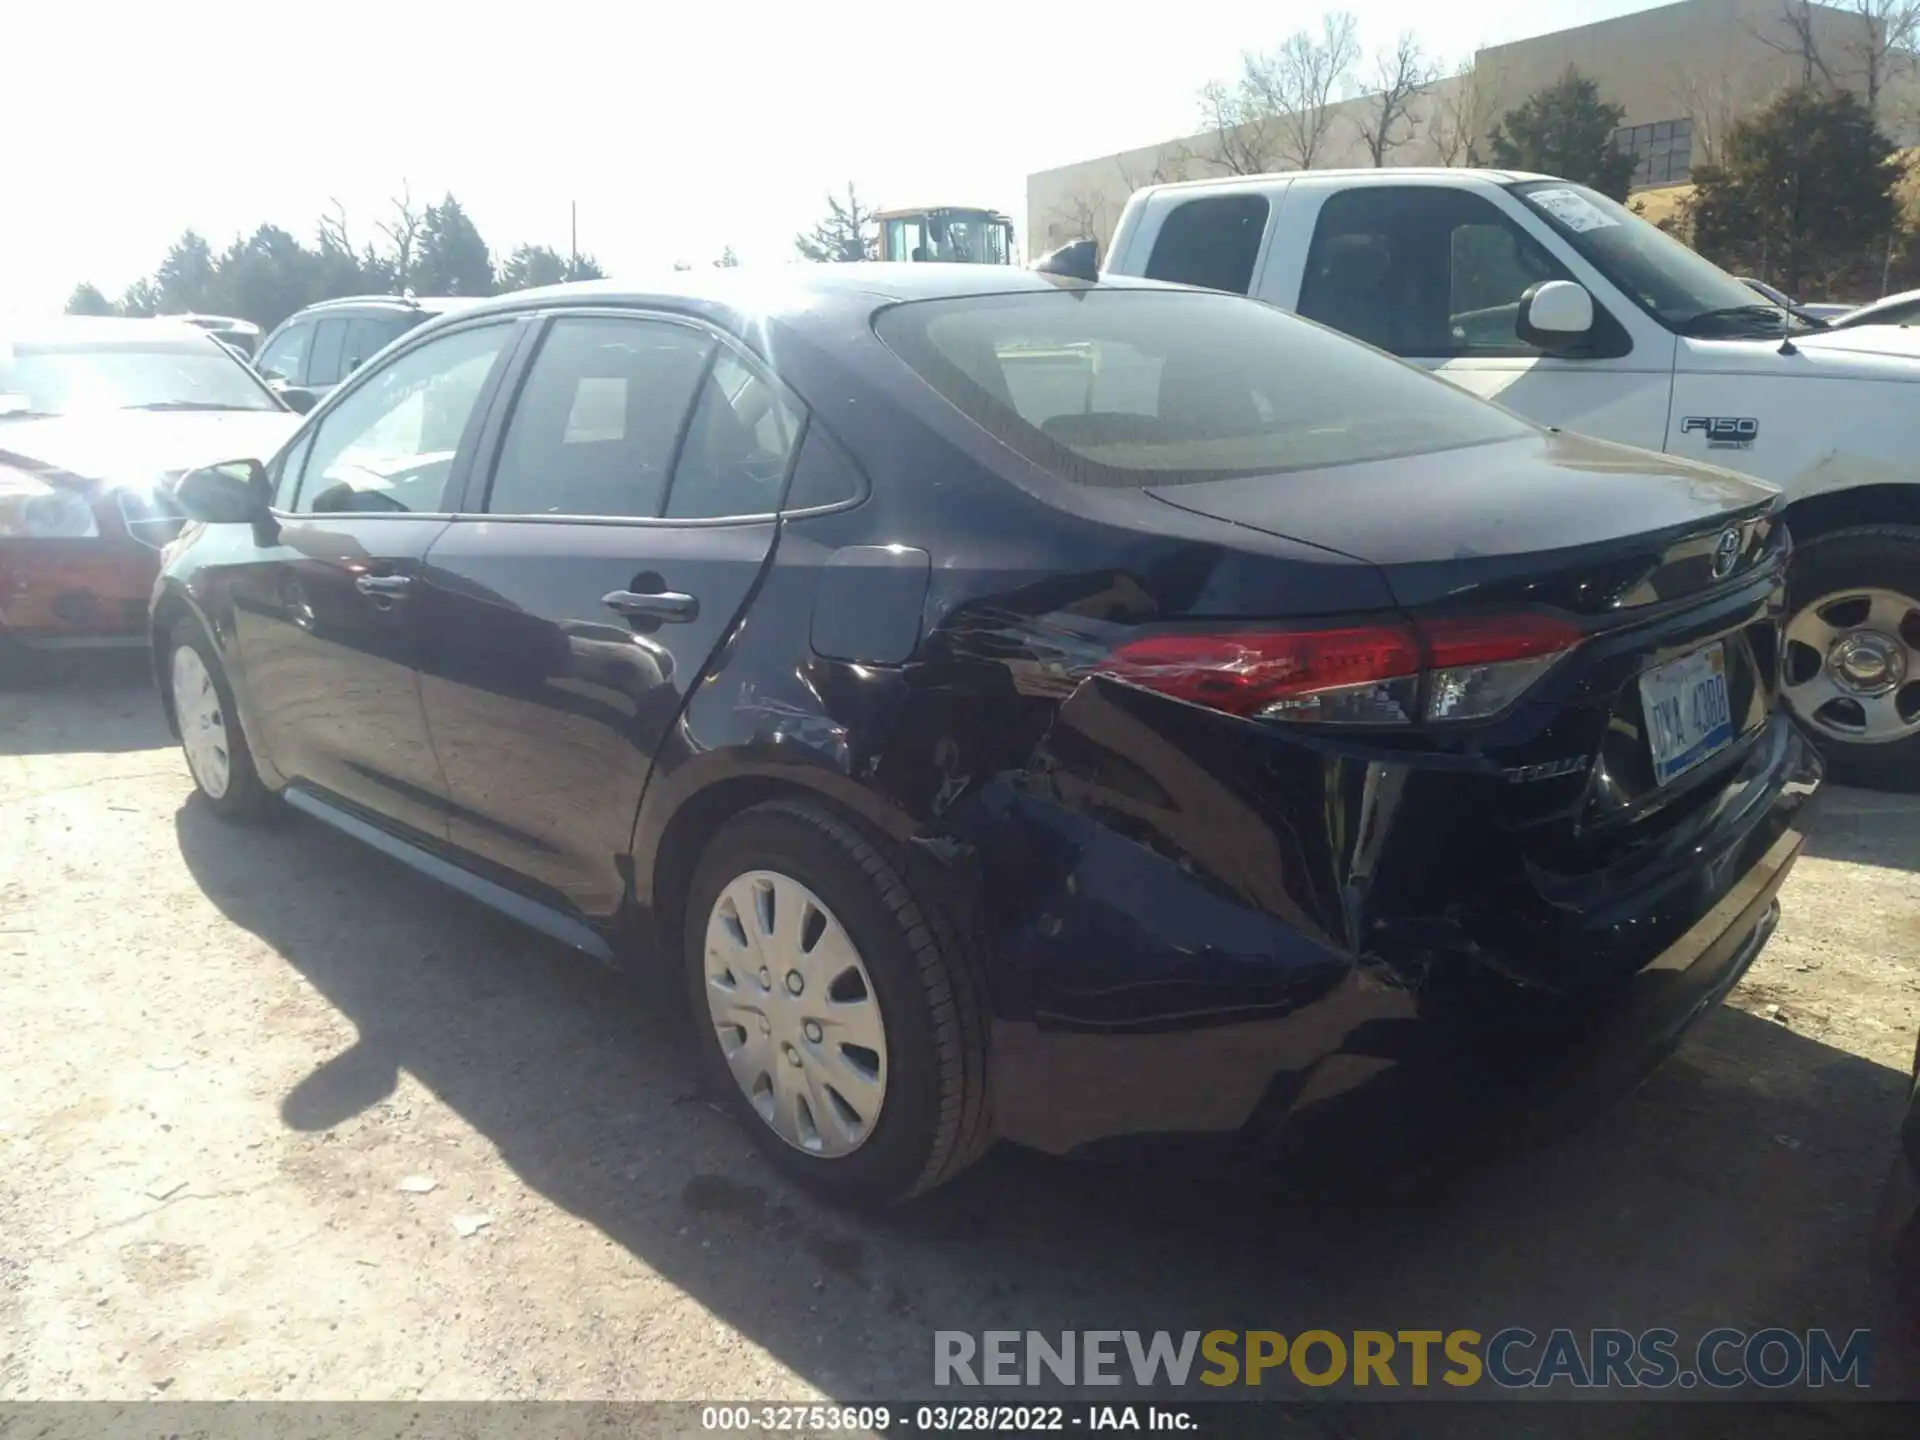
{"x":1555,"y":315}
{"x":234,"y":492}
{"x":297,"y":398}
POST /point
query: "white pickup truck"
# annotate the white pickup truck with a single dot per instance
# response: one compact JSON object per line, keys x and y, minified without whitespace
{"x":1566,"y":307}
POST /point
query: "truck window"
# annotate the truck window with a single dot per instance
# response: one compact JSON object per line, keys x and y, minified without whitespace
{"x":1211,"y":242}
{"x":1425,"y":272}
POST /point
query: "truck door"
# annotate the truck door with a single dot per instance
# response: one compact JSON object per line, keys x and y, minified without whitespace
{"x":1434,"y":273}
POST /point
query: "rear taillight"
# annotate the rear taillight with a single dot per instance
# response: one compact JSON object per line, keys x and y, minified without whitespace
{"x":1387,"y":673}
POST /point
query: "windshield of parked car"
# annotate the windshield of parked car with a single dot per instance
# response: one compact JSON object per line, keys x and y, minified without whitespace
{"x":77,"y":377}
{"x":1122,"y":387}
{"x":1679,"y":287}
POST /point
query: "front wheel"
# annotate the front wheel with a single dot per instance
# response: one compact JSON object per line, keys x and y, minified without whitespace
{"x":1851,"y":668}
{"x":209,"y":725}
{"x":837,"y":1009}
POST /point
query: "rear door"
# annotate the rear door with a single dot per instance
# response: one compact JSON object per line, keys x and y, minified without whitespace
{"x":326,"y":618}
{"x":625,"y":520}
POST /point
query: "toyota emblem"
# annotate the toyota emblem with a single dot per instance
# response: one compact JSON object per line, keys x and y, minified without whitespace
{"x":1726,"y":554}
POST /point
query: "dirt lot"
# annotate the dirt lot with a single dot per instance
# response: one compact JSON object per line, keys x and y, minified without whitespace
{"x":279,"y":1119}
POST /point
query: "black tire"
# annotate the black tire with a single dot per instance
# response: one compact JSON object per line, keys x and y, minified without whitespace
{"x":1883,"y":557}
{"x":934,"y":1121}
{"x":245,"y":798}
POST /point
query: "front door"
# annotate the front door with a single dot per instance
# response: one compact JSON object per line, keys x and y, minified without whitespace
{"x":1434,"y":274}
{"x":618,"y":538}
{"x":326,"y":622}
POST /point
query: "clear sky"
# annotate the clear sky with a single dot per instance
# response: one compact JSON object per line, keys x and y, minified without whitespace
{"x":678,"y":129}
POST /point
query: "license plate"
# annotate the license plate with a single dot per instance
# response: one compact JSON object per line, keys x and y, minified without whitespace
{"x":1688,"y":717}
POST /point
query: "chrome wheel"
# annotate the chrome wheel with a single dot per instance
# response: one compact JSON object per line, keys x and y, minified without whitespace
{"x":203,"y":722}
{"x":795,"y":1013}
{"x":1852,"y":666}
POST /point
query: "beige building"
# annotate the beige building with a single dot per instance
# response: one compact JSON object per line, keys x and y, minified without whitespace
{"x":1683,"y":74}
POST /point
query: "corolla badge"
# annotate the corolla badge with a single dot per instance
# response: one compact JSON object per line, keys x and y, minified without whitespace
{"x":1726,"y":553}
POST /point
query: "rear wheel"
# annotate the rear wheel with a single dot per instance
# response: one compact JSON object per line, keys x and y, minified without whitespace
{"x":838,"y":1013}
{"x":210,"y":734}
{"x":1851,"y":670}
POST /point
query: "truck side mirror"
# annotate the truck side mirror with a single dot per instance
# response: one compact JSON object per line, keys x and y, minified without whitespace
{"x":1555,"y":315}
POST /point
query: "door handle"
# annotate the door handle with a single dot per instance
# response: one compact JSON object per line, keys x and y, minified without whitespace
{"x":665,"y":605}
{"x":383,"y":586}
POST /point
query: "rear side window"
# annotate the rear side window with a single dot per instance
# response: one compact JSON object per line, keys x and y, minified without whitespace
{"x":1141,"y":387}
{"x":598,"y":419}
{"x":1211,"y":242}
{"x":734,"y":459}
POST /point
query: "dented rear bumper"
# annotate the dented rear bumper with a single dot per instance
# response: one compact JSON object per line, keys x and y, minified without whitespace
{"x":1168,"y":967}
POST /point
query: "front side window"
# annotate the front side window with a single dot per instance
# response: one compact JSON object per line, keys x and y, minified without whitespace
{"x":285,"y":357}
{"x":195,"y":372}
{"x":390,"y":445}
{"x":1122,"y":387}
{"x":1422,"y":271}
{"x":368,"y":336}
{"x":594,"y":429}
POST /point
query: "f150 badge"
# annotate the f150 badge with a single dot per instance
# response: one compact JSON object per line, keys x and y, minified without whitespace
{"x":1723,"y":432}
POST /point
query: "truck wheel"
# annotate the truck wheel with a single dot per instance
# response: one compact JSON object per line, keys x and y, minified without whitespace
{"x":1851,"y":671}
{"x":839,"y":1013}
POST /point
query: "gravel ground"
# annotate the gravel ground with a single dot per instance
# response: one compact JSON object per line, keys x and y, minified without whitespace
{"x":281,"y":1120}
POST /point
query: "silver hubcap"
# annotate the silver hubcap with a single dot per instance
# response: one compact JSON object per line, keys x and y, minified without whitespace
{"x":795,"y":1013}
{"x":1853,"y":666}
{"x":203,"y":722}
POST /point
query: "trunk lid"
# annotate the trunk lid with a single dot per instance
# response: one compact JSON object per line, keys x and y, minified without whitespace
{"x":1584,"y":525}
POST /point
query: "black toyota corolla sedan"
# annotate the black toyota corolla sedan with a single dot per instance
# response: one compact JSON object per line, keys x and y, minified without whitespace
{"x":1024,"y":707}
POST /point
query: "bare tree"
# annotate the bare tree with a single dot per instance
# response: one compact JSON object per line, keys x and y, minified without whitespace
{"x":1713,"y":98}
{"x":1465,"y":110}
{"x":1279,"y":110}
{"x":1794,"y":33}
{"x":1242,"y":126}
{"x":1300,"y":80}
{"x":1170,"y":166}
{"x":333,"y":227}
{"x":1083,"y":215}
{"x":1881,"y":45}
{"x":403,"y":234}
{"x":1400,"y":76}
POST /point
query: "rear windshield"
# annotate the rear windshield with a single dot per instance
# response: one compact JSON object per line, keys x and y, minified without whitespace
{"x":1143,"y":387}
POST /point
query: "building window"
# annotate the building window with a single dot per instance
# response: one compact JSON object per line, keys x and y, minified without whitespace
{"x":1662,"y":153}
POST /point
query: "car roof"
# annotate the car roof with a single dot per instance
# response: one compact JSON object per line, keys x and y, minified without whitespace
{"x":1370,"y":173}
{"x":102,"y":330}
{"x":789,"y":291}
{"x":425,"y":304}
{"x":1889,"y":302}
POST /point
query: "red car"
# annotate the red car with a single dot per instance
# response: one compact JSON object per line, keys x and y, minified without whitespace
{"x":98,"y":418}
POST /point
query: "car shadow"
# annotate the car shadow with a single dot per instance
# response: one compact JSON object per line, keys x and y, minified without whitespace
{"x":105,"y":698}
{"x":1736,"y":1187}
{"x":1867,"y":827}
